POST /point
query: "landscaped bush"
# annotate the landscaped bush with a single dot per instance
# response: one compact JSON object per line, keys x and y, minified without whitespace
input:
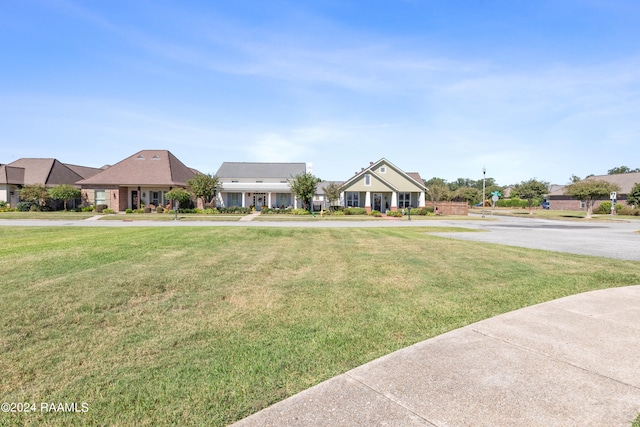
{"x":375,"y":213}
{"x":138,"y":210}
{"x":514,"y":203}
{"x":396,"y":214}
{"x":300,"y":212}
{"x":24,"y":206}
{"x":87,"y":208}
{"x":604,"y":208}
{"x":100,"y":208}
{"x":108,"y":211}
{"x":159,"y":209}
{"x":235,"y":210}
{"x":627,"y":210}
{"x":128,"y":211}
{"x":355,"y":211}
{"x":422,"y":211}
{"x":339,"y":213}
{"x":211,"y":211}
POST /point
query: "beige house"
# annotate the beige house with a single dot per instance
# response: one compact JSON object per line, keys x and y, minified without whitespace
{"x":141,"y":179}
{"x":383,"y":187}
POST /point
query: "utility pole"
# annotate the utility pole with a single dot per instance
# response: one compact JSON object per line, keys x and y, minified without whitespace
{"x":484,"y":173}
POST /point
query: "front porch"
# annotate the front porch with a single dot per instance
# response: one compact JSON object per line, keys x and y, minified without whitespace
{"x":382,"y":201}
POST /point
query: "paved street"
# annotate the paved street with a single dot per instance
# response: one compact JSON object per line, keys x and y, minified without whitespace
{"x":614,"y":239}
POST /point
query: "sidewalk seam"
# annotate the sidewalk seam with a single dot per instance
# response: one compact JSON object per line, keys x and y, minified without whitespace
{"x":390,"y":399}
{"x":530,"y":350}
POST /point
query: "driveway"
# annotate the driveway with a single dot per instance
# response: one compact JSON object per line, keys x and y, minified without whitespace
{"x":615,"y":239}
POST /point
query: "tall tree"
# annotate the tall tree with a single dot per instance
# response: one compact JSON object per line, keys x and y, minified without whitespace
{"x":467,"y":194}
{"x":303,"y":186}
{"x":590,"y":190}
{"x":530,"y":190}
{"x":65,"y":192}
{"x":36,"y":193}
{"x":203,"y":186}
{"x":332,"y":193}
{"x":438,"y":191}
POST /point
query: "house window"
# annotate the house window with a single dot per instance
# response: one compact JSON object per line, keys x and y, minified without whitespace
{"x":258,"y":181}
{"x":353,"y":199}
{"x":367,"y":179}
{"x":404,"y":200}
{"x":234,"y":180}
{"x":100,"y":197}
{"x":582,"y":204}
{"x":283,"y":200}
{"x":383,"y":169}
{"x":154,"y":198}
{"x":156,"y":157}
{"x":234,"y":199}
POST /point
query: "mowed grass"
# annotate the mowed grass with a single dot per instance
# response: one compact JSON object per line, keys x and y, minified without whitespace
{"x":204,"y":326}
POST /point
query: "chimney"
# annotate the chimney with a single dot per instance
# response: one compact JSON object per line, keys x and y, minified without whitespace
{"x":310,"y":168}
{"x":370,"y":163}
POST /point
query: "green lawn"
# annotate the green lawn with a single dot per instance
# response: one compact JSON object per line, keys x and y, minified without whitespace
{"x":204,"y":326}
{"x":57,"y":215}
{"x":169,"y":217}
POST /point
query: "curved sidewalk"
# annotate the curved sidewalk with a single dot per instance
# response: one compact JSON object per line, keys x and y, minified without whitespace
{"x":574,"y":361}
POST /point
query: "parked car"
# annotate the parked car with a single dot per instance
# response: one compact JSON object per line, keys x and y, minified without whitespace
{"x":545,"y":205}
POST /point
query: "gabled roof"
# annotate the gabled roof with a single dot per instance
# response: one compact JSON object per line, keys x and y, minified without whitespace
{"x":230,"y":170}
{"x":626,"y":181}
{"x":413,"y":176}
{"x":84,"y":171}
{"x":320,"y":186}
{"x":146,"y":167}
{"x":11,"y":175}
{"x":49,"y":172}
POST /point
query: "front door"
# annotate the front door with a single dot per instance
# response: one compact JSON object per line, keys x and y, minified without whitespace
{"x":134,"y":199}
{"x":377,"y":202}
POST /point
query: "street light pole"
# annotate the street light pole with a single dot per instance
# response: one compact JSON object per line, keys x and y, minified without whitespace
{"x":484,"y":173}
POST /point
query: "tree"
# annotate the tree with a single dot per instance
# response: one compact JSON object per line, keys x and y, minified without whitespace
{"x":36,"y":193}
{"x":590,"y":190}
{"x":437,"y":191}
{"x":633,"y":198}
{"x":530,"y":190}
{"x":332,"y":193}
{"x":304,"y":187}
{"x":467,"y":194}
{"x":203,"y":186}
{"x":179,"y":195}
{"x":622,"y":169}
{"x":65,"y":192}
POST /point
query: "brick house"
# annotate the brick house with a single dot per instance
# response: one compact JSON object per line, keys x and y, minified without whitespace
{"x":560,"y":201}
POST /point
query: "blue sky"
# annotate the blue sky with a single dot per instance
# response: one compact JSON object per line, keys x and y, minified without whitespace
{"x":532,"y":88}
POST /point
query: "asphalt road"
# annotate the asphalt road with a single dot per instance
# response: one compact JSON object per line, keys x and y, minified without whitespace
{"x":615,"y":239}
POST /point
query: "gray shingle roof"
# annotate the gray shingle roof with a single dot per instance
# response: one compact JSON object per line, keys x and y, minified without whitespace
{"x":626,"y":181}
{"x":260,"y":170}
{"x":11,"y":175}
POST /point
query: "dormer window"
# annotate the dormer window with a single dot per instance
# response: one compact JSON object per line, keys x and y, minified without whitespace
{"x":140,"y":157}
{"x":155,"y":157}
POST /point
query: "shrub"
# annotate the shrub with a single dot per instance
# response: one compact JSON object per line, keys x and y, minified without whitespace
{"x":159,"y":209}
{"x":300,"y":212}
{"x":604,"y":208}
{"x":147,"y":210}
{"x":24,"y":206}
{"x":211,"y":211}
{"x":138,"y":210}
{"x":627,"y":210}
{"x":100,"y":208}
{"x":341,"y":212}
{"x":375,"y":213}
{"x":396,"y":214}
{"x":87,"y":208}
{"x":128,"y":211}
{"x":3,"y":204}
{"x":108,"y":211}
{"x":355,"y":211}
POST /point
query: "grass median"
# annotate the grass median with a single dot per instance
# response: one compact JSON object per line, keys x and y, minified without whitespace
{"x":204,"y":326}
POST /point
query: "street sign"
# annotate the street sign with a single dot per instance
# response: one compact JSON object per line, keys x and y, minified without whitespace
{"x":613,"y":195}
{"x":495,"y":198}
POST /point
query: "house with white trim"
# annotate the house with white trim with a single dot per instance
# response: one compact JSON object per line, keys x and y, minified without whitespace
{"x":251,"y":184}
{"x":382,"y":186}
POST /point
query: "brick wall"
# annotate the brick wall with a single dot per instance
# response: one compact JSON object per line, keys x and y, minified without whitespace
{"x":451,"y":208}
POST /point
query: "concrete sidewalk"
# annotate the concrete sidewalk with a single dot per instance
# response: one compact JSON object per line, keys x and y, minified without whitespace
{"x":569,"y":362}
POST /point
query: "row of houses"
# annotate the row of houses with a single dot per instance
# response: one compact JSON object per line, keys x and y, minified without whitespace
{"x":145,"y":177}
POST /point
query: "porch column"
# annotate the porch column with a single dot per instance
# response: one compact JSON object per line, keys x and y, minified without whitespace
{"x":394,"y":201}
{"x":367,"y":201}
{"x":295,"y":202}
{"x":341,"y":201}
{"x":269,"y":200}
{"x":421,"y":202}
{"x":244,"y":203}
